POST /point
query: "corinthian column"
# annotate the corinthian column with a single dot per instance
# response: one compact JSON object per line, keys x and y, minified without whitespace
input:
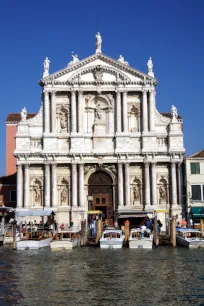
{"x":46,"y":109}
{"x":47,"y":185}
{"x":19,"y":186}
{"x":26,"y":186}
{"x":147,"y":185}
{"x":173,"y":183}
{"x":118,"y":110}
{"x":127,"y":185}
{"x":151,"y":110}
{"x":120,"y":186}
{"x":144,"y":111}
{"x":74,"y":185}
{"x":80,"y":112}
{"x":154,"y":185}
{"x":54,"y":185}
{"x":180,"y":183}
{"x":73,"y":110}
{"x":125,"y":115}
{"x":53,"y":111}
{"x":81,"y":185}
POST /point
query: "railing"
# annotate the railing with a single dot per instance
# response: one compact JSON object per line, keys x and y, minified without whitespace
{"x":36,"y":143}
{"x":162,"y":142}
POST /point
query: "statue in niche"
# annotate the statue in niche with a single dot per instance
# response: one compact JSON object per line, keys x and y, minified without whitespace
{"x":136,"y":193}
{"x":64,"y":195}
{"x":98,"y":110}
{"x":174,"y":113}
{"x":162,"y":194}
{"x":23,"y":114}
{"x":63,"y":122}
{"x":98,"y":43}
{"x":37,"y":191}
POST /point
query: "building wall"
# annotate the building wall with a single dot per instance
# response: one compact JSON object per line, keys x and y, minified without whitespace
{"x":11,"y":130}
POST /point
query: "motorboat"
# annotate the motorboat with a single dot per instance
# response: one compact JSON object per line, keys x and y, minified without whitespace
{"x":37,"y":239}
{"x":140,"y":239}
{"x":65,"y":240}
{"x":190,"y":238}
{"x":111,"y":239}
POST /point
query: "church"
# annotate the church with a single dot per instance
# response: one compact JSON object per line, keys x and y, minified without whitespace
{"x":98,"y":142}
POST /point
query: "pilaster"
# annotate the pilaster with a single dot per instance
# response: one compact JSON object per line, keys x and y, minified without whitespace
{"x":47,"y":185}
{"x":19,"y":186}
{"x":120,"y":187}
{"x":74,"y":185}
{"x":26,"y":186}
{"x":81,"y":185}
{"x":54,"y":185}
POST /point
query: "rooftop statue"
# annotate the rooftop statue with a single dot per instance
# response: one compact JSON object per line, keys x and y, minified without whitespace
{"x":74,"y":59}
{"x":46,"y":64}
{"x":23,"y":114}
{"x":122,"y":60}
{"x":174,"y":113}
{"x":150,"y":67}
{"x":98,"y":43}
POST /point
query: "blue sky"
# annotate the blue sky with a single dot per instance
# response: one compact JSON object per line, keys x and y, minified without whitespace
{"x":170,"y":31}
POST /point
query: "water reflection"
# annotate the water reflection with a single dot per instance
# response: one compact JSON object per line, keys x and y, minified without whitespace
{"x":90,"y":276}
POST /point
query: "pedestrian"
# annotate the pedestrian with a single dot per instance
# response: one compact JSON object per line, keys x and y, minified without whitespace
{"x":183,"y":223}
{"x":159,"y":225}
{"x":191,"y":223}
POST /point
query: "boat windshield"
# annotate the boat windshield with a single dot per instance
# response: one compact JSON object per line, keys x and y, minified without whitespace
{"x":190,"y":234}
{"x":112,"y":235}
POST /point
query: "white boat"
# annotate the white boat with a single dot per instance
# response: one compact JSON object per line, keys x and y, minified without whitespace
{"x":190,"y":238}
{"x":112,"y":239}
{"x":1,"y":238}
{"x":32,"y":244}
{"x":140,"y":239}
{"x":65,"y":240}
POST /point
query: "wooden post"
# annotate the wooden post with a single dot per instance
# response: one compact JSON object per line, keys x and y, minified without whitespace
{"x":127,"y":232}
{"x":201,"y":226}
{"x":82,"y":233}
{"x":169,"y":228}
{"x":85,"y":233}
{"x":155,"y":232}
{"x":99,"y":230}
{"x":174,"y":231}
{"x":3,"y":224}
{"x":14,"y":235}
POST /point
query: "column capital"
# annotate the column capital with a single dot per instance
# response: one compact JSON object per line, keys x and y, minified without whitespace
{"x":80,"y":91}
{"x":73,"y":90}
{"x":153,"y":163}
{"x":53,"y":92}
{"x":146,"y":164}
{"x":46,"y":91}
{"x":144,"y":90}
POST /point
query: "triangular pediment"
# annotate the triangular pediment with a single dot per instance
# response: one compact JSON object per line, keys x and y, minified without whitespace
{"x":98,"y":68}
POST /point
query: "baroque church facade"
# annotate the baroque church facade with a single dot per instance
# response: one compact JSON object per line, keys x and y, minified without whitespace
{"x":98,"y":142}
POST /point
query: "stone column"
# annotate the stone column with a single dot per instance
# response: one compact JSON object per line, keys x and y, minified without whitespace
{"x":80,"y":112}
{"x":53,"y":111}
{"x":118,"y":111}
{"x":47,"y":186}
{"x":127,"y":185}
{"x":125,"y":115}
{"x":74,"y":185}
{"x":144,"y":111}
{"x":147,"y":185}
{"x":151,"y":110}
{"x":26,"y":186}
{"x":73,"y":111}
{"x":19,"y":186}
{"x":120,"y":186}
{"x":81,"y":185}
{"x":54,"y":185}
{"x":173,"y":183}
{"x":46,"y":110}
{"x":180,"y":183}
{"x":154,"y":184}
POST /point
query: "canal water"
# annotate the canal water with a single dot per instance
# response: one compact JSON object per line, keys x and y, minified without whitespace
{"x":90,"y":276}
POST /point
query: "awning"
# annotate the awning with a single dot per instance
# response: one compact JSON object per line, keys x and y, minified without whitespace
{"x":197,"y":212}
{"x":94,"y":212}
{"x":133,"y":216}
{"x":35,"y":213}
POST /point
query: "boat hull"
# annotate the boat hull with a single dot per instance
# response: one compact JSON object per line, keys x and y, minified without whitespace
{"x":140,"y":244}
{"x":64,"y":245}
{"x":32,"y":244}
{"x":111,"y":244}
{"x":191,"y":244}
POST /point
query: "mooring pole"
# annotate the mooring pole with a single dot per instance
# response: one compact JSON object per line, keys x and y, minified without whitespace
{"x":127,"y":232}
{"x":201,"y":226}
{"x":155,"y":231}
{"x":174,"y":231}
{"x":14,"y":235}
{"x":99,"y":230}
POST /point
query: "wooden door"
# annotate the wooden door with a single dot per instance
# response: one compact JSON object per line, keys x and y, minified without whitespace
{"x":101,"y":202}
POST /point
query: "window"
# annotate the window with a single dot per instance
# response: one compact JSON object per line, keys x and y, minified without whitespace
{"x":196,"y":192}
{"x":13,"y":195}
{"x":195,"y":168}
{"x":103,"y":200}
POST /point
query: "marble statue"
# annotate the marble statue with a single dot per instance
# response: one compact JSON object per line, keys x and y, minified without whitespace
{"x":23,"y":114}
{"x":64,"y":195}
{"x":98,"y":109}
{"x":37,"y":193}
{"x":150,"y":67}
{"x":46,"y":67}
{"x":136,"y":193}
{"x":162,"y":194}
{"x":75,"y":59}
{"x":174,"y":113}
{"x":98,"y":43}
{"x":63,"y":122}
{"x":122,"y":60}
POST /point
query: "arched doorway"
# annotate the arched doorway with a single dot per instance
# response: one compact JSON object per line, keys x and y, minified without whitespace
{"x":100,"y":187}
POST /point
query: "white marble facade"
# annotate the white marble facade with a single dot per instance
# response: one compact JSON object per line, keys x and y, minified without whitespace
{"x":99,"y":114}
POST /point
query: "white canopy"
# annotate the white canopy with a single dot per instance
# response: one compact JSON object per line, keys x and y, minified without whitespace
{"x":35,"y":213}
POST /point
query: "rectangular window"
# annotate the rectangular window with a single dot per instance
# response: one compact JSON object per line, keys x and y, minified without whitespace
{"x":13,"y":195}
{"x":196,"y":192}
{"x":195,"y":168}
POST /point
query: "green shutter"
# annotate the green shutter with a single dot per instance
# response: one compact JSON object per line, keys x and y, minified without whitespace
{"x":195,"y":168}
